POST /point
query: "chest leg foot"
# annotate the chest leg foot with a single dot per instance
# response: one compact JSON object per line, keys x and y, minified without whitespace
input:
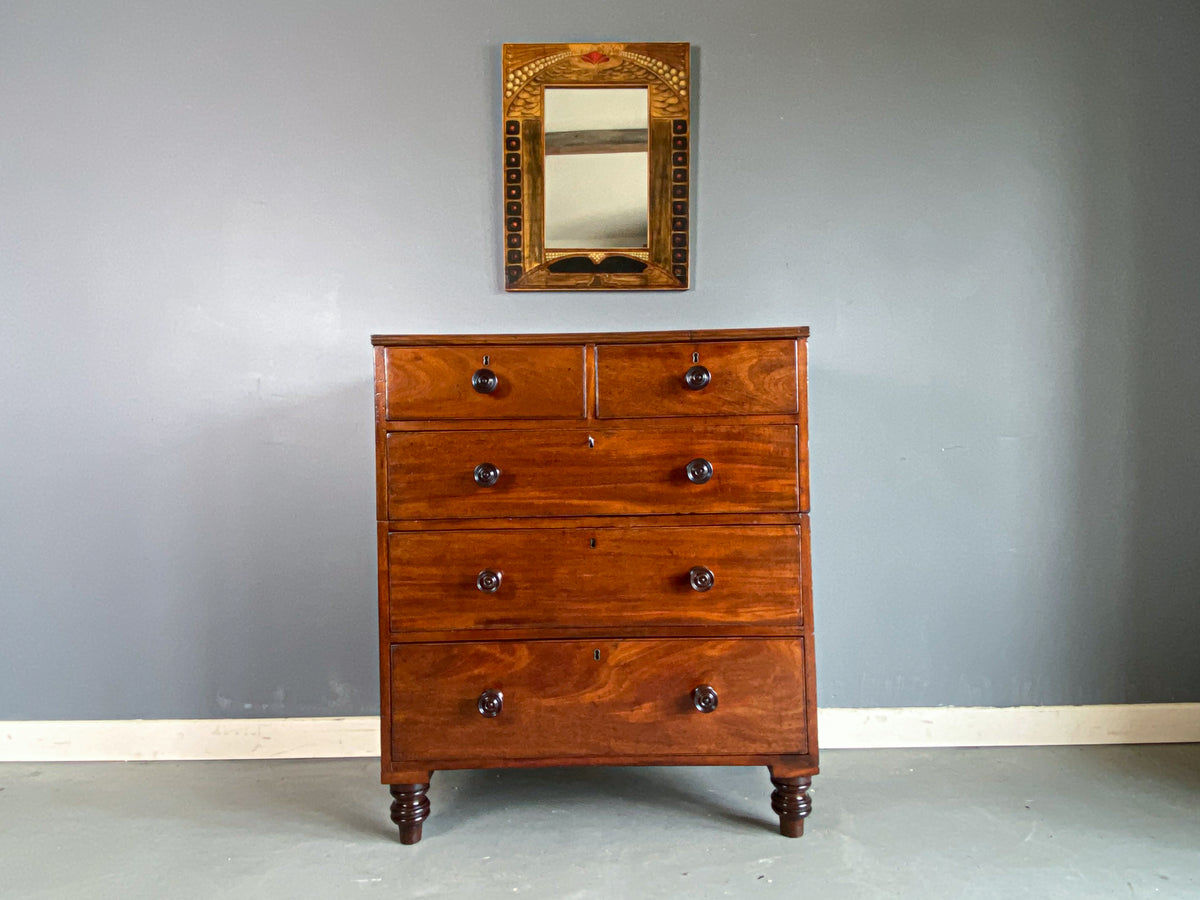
{"x":791,"y":803}
{"x":410,"y":807}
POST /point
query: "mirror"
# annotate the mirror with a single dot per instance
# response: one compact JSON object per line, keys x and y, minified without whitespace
{"x":597,"y":175}
{"x":596,"y":166}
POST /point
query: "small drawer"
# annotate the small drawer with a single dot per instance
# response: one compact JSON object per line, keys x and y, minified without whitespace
{"x":595,"y":578}
{"x":482,"y":382}
{"x":564,"y":699}
{"x":607,"y":472}
{"x":708,"y":378}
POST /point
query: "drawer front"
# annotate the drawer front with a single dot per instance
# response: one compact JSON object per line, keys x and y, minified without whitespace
{"x":440,"y":382}
{"x":452,"y":580}
{"x":728,"y":378}
{"x":597,"y":698}
{"x":632,"y":471}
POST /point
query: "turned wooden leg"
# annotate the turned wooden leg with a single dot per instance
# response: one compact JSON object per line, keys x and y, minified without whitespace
{"x":791,"y":803}
{"x":410,"y":807}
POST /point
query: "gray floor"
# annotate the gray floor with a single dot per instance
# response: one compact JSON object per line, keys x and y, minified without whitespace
{"x":1043,"y":822}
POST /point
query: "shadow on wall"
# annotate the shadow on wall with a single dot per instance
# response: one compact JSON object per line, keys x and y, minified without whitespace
{"x":1135,"y":540}
{"x":283,"y":561}
{"x":1162,"y":616}
{"x":231,"y":570}
{"x":933,"y":590}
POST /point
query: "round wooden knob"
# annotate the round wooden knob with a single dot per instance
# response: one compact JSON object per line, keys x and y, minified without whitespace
{"x":492,"y":702}
{"x":486,"y":474}
{"x":699,"y":471}
{"x":696,"y":378}
{"x":489,"y":581}
{"x":704,"y":698}
{"x":484,"y":381}
{"x":701,"y":578}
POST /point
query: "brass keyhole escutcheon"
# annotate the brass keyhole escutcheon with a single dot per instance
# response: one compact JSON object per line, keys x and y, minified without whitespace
{"x":596,"y":655}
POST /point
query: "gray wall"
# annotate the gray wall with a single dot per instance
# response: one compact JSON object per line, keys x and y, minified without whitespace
{"x":987,"y":212}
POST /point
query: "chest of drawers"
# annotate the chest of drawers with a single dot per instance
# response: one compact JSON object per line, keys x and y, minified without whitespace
{"x":594,"y":550}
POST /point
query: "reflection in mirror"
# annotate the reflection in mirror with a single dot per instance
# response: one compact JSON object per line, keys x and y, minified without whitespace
{"x":596,"y":167}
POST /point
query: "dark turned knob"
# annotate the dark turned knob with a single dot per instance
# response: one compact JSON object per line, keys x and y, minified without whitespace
{"x":486,"y":474}
{"x":697,"y":377}
{"x":704,"y":698}
{"x":698,"y":471}
{"x":489,"y":581}
{"x":491,"y":702}
{"x":484,"y":381}
{"x":700,"y":578}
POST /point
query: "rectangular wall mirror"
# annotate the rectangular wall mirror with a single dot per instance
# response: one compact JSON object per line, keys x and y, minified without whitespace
{"x":596,"y":166}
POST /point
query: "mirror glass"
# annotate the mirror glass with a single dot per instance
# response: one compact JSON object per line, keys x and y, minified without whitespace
{"x":596,"y":167}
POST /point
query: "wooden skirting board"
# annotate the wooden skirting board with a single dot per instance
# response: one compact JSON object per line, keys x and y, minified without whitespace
{"x":312,"y":738}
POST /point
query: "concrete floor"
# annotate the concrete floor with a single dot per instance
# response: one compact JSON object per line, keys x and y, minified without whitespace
{"x":1043,"y":822}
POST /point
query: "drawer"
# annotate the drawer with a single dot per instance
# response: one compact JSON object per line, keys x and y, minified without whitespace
{"x":564,"y":699}
{"x":609,"y":471}
{"x":530,"y":382}
{"x":597,"y":577}
{"x":731,"y":378}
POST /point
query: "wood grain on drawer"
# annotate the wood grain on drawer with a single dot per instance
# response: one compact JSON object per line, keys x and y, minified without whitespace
{"x":744,"y":378}
{"x":597,"y":698}
{"x":594,"y":577}
{"x":532,"y":382}
{"x":609,"y":471}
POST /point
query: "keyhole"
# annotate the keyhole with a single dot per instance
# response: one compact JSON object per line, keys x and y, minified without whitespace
{"x":596,"y":655}
{"x":695,"y":357}
{"x":592,"y":543}
{"x":591,"y":441}
{"x":487,"y":360}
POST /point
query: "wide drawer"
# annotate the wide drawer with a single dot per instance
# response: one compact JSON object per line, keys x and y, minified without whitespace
{"x":727,"y":378}
{"x":609,"y":471}
{"x":439,"y":382}
{"x":598,"y":577}
{"x":597,"y":698}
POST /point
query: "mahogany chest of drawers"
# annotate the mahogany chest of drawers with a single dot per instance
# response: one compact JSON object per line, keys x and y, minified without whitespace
{"x":594,"y":550}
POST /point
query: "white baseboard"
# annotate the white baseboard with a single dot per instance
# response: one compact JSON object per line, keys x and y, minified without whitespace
{"x":951,"y":726}
{"x":163,"y":739}
{"x":1009,"y":726}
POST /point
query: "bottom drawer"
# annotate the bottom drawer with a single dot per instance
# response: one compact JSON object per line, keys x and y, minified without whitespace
{"x":597,"y":698}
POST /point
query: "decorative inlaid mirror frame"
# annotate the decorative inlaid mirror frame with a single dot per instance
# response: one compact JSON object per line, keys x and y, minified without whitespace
{"x":662,"y":263}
